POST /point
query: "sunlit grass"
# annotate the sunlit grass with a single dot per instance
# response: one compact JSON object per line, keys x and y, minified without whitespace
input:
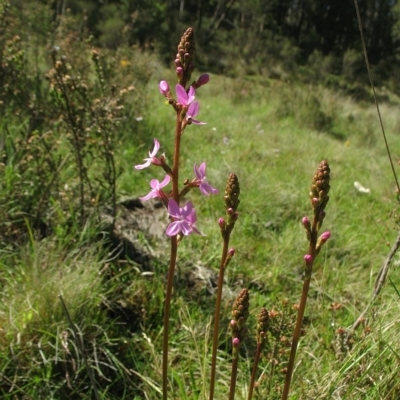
{"x":272,"y":135}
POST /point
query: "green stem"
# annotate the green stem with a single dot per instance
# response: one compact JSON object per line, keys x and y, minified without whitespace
{"x":172,"y":260}
{"x":217,"y":315}
{"x":254,"y":372}
{"x":235,"y":363}
{"x":300,"y":313}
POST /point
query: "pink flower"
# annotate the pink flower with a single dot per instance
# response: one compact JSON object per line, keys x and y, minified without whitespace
{"x":192,"y":111}
{"x":185,"y":219}
{"x":156,"y":187}
{"x":201,"y":180}
{"x":152,"y":159}
{"x":185,"y":98}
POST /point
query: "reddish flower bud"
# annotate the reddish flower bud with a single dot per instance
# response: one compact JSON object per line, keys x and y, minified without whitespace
{"x":306,"y":223}
{"x":308,"y":258}
{"x":179,"y":72}
{"x":203,"y":79}
{"x":325,"y":236}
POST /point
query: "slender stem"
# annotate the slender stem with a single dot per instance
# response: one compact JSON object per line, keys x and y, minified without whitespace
{"x":217,"y":315}
{"x":167,"y":309}
{"x":254,"y":372}
{"x":300,"y":313}
{"x":175,"y":168}
{"x":172,"y":260}
{"x":235,"y":363}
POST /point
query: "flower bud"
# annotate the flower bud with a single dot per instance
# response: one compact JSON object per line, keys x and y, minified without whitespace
{"x":306,"y":223}
{"x":163,"y":88}
{"x":308,"y":258}
{"x":325,"y":236}
{"x":203,"y":79}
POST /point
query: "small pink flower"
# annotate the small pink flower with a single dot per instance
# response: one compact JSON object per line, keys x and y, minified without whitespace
{"x":156,"y":187}
{"x":185,"y":219}
{"x":185,"y":98}
{"x":201,"y":180}
{"x":152,"y":159}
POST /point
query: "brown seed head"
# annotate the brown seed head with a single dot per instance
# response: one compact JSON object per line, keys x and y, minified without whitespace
{"x":232,"y":191}
{"x":240,"y":309}
{"x":185,"y":57}
{"x":262,"y":325}
{"x":320,"y":188}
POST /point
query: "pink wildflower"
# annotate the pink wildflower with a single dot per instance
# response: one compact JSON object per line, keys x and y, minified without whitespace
{"x":201,"y":180}
{"x":185,"y":219}
{"x":192,"y":111}
{"x":185,"y":98}
{"x":152,"y":159}
{"x":156,"y":187}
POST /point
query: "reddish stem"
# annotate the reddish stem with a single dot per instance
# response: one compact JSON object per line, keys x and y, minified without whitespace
{"x":217,"y":315}
{"x":254,"y":372}
{"x":302,"y":307}
{"x":172,"y":260}
{"x":235,"y":363}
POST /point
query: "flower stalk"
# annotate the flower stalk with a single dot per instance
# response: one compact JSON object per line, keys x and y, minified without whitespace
{"x":182,"y":219}
{"x":240,"y":313}
{"x":232,"y":201}
{"x":262,"y":339}
{"x":319,"y":199}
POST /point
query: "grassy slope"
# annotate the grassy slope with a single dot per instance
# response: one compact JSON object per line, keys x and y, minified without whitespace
{"x":275,"y":135}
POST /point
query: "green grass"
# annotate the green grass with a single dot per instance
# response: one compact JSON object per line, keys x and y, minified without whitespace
{"x":272,"y":135}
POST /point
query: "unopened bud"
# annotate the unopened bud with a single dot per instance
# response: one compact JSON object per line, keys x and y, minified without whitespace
{"x":306,"y":223}
{"x":179,"y":72}
{"x":203,"y":79}
{"x":325,"y":236}
{"x":164,"y":88}
{"x":308,"y":258}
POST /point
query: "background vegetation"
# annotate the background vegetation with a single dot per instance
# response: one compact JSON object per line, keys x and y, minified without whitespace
{"x":79,"y":107}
